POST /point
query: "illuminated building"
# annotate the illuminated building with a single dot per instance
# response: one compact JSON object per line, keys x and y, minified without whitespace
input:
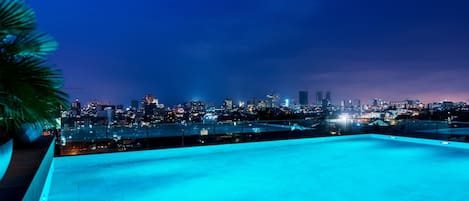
{"x":273,"y":99}
{"x":287,"y":103}
{"x":262,"y":104}
{"x":241,"y":104}
{"x":195,"y":107}
{"x":228,"y":104}
{"x":149,"y":104}
{"x":75,"y":108}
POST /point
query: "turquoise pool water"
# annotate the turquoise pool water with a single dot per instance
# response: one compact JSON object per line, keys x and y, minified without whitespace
{"x":365,"y":167}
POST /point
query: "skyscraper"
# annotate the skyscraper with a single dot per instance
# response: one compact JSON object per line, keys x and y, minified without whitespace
{"x":273,"y":99}
{"x":228,"y":104}
{"x":195,"y":107}
{"x":303,"y":96}
{"x":134,"y":104}
{"x":328,"y":97}
{"x":319,"y":98}
{"x":375,"y":102}
{"x":149,"y":103}
{"x":76,"y":107}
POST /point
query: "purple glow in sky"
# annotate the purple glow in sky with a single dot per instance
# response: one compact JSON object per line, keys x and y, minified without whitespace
{"x":180,"y":50}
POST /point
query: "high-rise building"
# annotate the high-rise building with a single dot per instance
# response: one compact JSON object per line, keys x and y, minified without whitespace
{"x":263,"y":104}
{"x":303,"y":97}
{"x":195,"y":107}
{"x":109,"y":114}
{"x":149,"y":105}
{"x":273,"y":99}
{"x":76,"y":107}
{"x":328,"y":97}
{"x":228,"y":104}
{"x":134,"y":104}
{"x":286,"y":103}
{"x":149,"y":99}
{"x":375,"y":102}
{"x":241,"y":104}
{"x":319,"y":98}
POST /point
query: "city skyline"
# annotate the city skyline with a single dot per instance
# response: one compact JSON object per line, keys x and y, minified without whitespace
{"x":311,"y":100}
{"x":210,"y":50}
{"x":294,"y":99}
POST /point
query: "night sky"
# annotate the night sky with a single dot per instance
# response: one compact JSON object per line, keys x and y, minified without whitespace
{"x":181,"y":50}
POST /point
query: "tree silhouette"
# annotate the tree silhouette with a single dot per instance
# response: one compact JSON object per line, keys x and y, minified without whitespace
{"x":30,"y":90}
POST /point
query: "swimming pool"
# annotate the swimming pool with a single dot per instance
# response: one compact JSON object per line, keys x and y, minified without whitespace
{"x":361,"y":167}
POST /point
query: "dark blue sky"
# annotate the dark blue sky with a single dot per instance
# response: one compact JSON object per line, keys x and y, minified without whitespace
{"x":180,"y":50}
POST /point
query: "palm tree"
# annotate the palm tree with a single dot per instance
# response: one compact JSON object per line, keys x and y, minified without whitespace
{"x":30,"y":91}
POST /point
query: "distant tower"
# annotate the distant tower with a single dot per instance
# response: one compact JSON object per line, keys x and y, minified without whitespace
{"x":328,"y":97}
{"x":375,"y":102}
{"x":134,"y":104}
{"x":109,"y":115}
{"x":319,"y":98}
{"x":196,"y":107}
{"x":149,"y":99}
{"x":228,"y":104}
{"x":273,"y":99}
{"x":76,"y":107}
{"x":149,"y":103}
{"x":303,"y":96}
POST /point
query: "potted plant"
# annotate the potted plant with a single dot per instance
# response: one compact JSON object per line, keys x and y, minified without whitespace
{"x":30,"y":90}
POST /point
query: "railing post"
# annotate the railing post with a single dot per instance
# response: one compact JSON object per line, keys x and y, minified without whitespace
{"x":182,"y":137}
{"x":147,"y":138}
{"x":214,"y":125}
{"x":242,"y":127}
{"x":107,"y":131}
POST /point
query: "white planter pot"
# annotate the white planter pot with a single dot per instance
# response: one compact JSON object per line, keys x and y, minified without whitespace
{"x":6,"y":151}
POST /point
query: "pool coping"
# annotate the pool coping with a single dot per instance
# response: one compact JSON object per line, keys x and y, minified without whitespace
{"x":442,"y":143}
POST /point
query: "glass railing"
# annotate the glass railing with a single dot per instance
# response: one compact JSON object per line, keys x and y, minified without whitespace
{"x":441,"y":130}
{"x":85,"y":133}
{"x":85,"y":139}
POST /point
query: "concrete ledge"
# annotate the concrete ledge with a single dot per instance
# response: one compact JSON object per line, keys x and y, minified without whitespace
{"x":37,"y":185}
{"x":24,"y":174}
{"x":443,"y":143}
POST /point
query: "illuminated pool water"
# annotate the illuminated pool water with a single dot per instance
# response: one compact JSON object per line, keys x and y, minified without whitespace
{"x":365,"y":167}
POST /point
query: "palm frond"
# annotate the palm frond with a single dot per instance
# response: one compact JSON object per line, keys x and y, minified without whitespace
{"x":16,"y":17}
{"x":32,"y":95}
{"x":35,"y":44}
{"x":32,"y":44}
